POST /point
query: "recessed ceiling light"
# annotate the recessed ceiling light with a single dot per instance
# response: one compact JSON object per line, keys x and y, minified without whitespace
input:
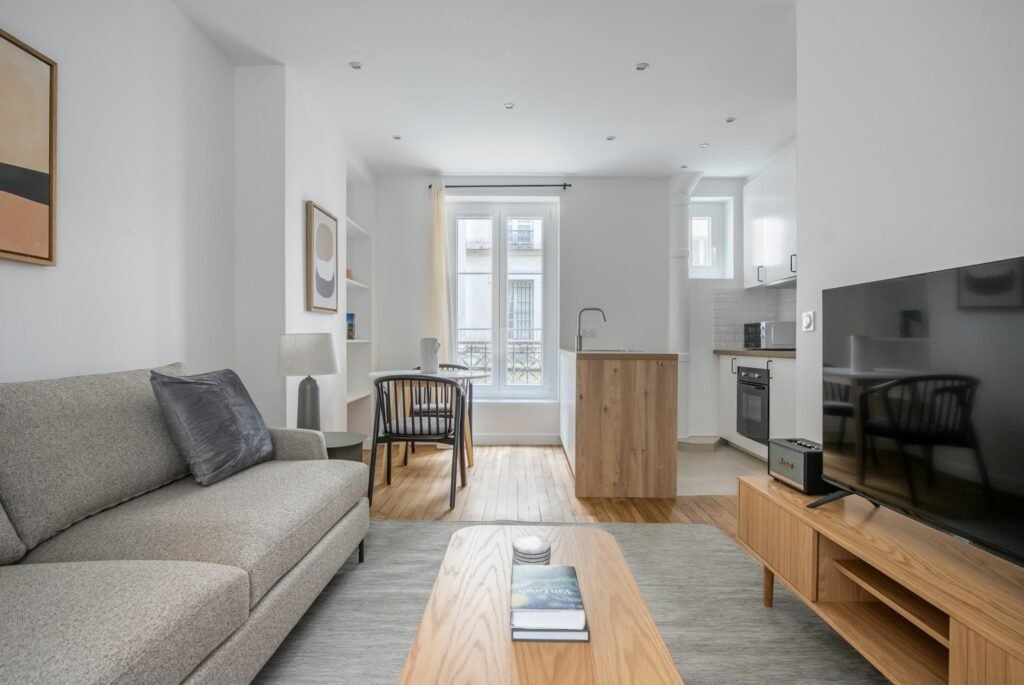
{"x":683,"y":166}
{"x":609,"y":138}
{"x":355,"y":65}
{"x":642,"y":66}
{"x":705,"y":145}
{"x":510,"y":105}
{"x":396,"y":137}
{"x":729,"y":120}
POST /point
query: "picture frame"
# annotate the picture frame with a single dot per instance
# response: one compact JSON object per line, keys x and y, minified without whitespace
{"x":995,"y":285}
{"x":322,"y":287}
{"x":28,"y":153}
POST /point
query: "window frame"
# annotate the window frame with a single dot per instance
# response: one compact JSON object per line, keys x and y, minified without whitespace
{"x":501,"y":211}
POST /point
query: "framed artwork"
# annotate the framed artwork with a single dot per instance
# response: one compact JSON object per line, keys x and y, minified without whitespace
{"x":28,"y":153}
{"x":321,"y":259}
{"x":996,"y":285}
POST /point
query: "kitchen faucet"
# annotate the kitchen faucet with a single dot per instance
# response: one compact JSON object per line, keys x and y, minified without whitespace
{"x":579,"y":324}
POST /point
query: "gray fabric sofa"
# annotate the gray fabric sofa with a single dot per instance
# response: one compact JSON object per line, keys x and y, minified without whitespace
{"x":117,"y":567}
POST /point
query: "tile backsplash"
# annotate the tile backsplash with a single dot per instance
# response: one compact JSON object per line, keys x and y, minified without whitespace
{"x":737,"y":306}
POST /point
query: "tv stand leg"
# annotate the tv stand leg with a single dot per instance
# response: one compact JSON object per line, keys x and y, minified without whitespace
{"x":769,"y":588}
{"x":830,"y":497}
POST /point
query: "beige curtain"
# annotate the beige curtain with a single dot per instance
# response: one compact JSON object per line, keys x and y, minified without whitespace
{"x":440,"y":286}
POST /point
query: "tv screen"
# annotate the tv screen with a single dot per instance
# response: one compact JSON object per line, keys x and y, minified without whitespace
{"x":923,"y":394}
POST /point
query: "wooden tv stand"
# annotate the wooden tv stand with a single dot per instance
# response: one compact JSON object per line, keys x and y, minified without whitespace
{"x":918,"y":604}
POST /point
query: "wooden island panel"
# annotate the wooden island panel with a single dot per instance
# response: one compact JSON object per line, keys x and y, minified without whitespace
{"x":625,"y":439}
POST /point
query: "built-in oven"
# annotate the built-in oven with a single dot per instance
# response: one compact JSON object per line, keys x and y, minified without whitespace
{"x":752,"y":403}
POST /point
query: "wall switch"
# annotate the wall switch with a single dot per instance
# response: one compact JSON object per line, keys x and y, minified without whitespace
{"x":807,"y":322}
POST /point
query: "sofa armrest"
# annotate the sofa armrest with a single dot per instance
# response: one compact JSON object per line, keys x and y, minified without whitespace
{"x":295,"y":444}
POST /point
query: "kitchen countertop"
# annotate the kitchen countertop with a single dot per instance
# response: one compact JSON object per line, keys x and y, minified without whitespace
{"x":622,"y":354}
{"x":778,"y":354}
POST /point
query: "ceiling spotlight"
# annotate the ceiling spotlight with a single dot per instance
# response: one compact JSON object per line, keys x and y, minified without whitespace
{"x":729,"y":120}
{"x":396,"y":137}
{"x":704,"y":146}
{"x":642,"y":66}
{"x":510,"y":105}
{"x":355,"y":65}
{"x":683,"y":166}
{"x":609,"y":138}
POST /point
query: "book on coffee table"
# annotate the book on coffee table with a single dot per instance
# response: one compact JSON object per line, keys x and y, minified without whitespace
{"x":547,"y":605}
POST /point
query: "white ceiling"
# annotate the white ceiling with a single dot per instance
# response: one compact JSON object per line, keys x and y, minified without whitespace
{"x":438,"y":73}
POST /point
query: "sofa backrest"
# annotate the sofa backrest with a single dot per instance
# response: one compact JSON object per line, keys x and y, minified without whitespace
{"x":71,"y":447}
{"x":11,"y":546}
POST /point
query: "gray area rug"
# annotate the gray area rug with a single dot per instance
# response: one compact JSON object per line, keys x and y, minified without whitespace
{"x":703,"y":590}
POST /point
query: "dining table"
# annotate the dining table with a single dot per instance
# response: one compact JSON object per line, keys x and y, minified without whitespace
{"x":464,"y":377}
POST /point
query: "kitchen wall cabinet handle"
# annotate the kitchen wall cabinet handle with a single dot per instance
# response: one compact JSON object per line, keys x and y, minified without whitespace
{"x":759,"y":279}
{"x":733,"y":366}
{"x":769,"y":365}
{"x":792,"y":263}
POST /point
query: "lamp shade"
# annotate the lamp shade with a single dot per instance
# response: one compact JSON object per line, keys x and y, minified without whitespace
{"x":307,"y":354}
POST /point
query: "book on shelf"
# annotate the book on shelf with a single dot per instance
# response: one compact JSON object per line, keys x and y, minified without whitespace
{"x":547,"y":604}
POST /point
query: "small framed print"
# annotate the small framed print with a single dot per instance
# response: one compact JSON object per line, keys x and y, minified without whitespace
{"x":321,"y":259}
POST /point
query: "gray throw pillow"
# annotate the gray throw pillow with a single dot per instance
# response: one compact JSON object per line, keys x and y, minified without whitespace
{"x":213,"y":422}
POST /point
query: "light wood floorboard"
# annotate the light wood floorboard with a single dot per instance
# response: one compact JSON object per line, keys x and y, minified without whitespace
{"x":522,"y":483}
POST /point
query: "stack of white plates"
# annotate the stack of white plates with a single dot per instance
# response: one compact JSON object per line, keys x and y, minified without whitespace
{"x":531,"y":550}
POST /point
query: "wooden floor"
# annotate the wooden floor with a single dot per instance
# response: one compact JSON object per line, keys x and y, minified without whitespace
{"x":523,"y":483}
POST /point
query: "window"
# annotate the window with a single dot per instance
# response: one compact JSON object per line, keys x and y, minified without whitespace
{"x":504,"y":317}
{"x":711,"y":238}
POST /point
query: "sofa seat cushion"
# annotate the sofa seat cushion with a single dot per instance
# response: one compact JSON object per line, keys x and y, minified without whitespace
{"x":262,"y":520}
{"x":115,"y":621}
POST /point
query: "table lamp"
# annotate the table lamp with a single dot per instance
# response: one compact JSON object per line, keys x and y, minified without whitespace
{"x":308,"y":354}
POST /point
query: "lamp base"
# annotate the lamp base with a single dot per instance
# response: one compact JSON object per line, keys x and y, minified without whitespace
{"x":309,"y":404}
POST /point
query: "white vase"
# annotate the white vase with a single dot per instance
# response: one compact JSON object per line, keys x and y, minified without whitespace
{"x":429,"y":348}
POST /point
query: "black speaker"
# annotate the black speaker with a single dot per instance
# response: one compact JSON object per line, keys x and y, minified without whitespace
{"x":797,"y":463}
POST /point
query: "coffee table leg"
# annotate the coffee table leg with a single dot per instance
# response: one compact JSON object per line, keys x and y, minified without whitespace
{"x":769,"y":587}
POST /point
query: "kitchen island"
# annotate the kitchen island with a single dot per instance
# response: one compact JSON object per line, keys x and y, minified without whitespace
{"x":618,"y":422}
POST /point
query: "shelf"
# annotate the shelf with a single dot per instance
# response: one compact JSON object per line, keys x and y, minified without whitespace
{"x":359,"y":396}
{"x":353,"y":226}
{"x":357,"y":340}
{"x":356,"y":285}
{"x":903,"y":654}
{"x":901,"y":600}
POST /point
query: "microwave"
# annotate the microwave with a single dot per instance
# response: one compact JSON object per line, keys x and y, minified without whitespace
{"x":770,"y":335}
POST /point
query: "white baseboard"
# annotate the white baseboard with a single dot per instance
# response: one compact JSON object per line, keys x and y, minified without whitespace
{"x":516,"y":439}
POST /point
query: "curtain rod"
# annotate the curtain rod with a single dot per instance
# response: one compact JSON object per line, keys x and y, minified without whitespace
{"x":563,"y":186}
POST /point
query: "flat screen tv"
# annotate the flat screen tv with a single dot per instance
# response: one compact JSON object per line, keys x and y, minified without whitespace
{"x":923,"y":407}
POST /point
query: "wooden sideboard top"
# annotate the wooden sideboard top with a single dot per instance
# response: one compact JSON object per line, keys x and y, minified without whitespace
{"x":977,"y":588}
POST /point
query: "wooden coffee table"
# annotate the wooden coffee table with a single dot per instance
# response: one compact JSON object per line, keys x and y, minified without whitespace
{"x":465,"y":638}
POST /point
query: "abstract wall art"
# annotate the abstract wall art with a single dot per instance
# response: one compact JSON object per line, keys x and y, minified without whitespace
{"x":28,"y":153}
{"x":321,"y":259}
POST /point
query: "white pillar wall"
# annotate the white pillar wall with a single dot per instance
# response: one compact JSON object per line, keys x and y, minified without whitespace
{"x":680,"y":189}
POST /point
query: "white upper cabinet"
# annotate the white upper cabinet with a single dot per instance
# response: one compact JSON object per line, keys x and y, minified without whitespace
{"x":769,"y":223}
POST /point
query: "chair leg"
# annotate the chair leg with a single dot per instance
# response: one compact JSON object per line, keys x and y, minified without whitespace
{"x":462,"y":461}
{"x":982,"y":471}
{"x":929,"y":458}
{"x":389,"y":463}
{"x":405,"y":460}
{"x":413,"y":447}
{"x":842,"y":431}
{"x":373,"y":468}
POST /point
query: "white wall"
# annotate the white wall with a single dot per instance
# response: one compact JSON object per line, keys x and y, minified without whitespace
{"x":703,"y":391}
{"x":613,"y":250}
{"x":145,"y":221}
{"x":260,"y":240}
{"x":910,"y":143}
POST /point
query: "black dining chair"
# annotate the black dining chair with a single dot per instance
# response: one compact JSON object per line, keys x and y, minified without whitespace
{"x":395,"y":422}
{"x":420,"y":407}
{"x":837,"y":403}
{"x":926,"y":411}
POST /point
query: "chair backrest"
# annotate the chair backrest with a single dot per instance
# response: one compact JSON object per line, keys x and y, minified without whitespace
{"x":928,"y":405}
{"x":397,"y":394}
{"x":450,"y":367}
{"x":836,"y":392}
